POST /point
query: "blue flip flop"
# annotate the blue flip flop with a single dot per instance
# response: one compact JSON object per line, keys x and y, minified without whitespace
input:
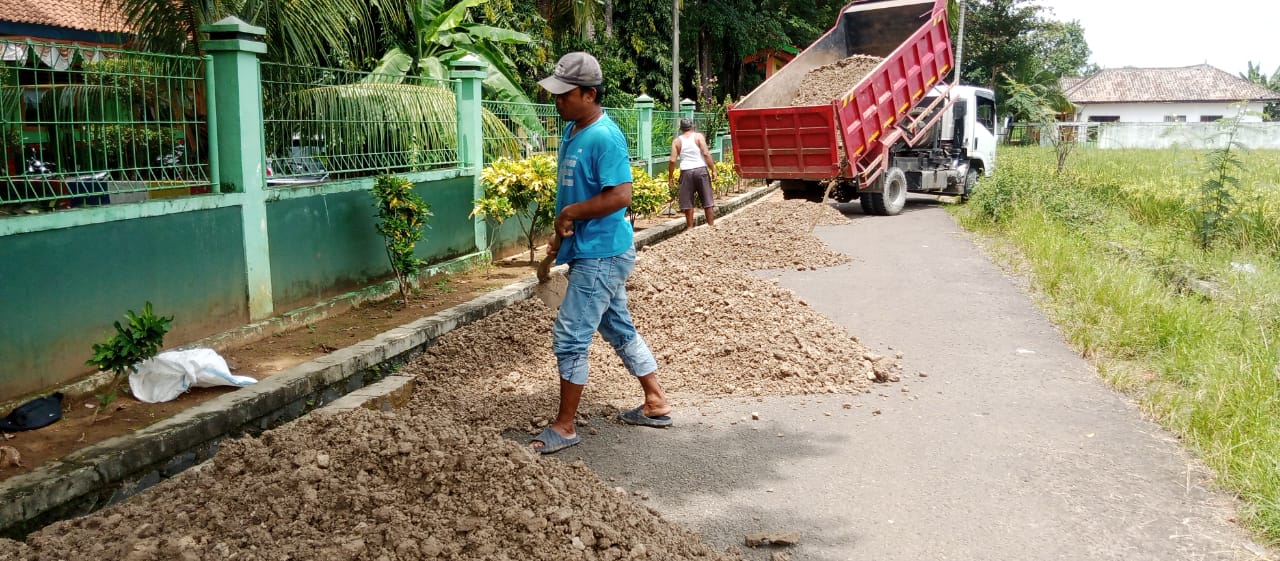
{"x":553,"y":442}
{"x":637,"y":417}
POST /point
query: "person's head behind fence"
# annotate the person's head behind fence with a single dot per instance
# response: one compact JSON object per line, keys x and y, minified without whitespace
{"x":686,"y":124}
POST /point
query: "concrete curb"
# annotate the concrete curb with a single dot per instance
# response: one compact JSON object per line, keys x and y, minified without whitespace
{"x":356,"y":376}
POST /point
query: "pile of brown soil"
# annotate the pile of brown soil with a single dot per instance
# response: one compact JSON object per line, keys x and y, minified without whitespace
{"x":825,"y":83}
{"x":715,"y":329}
{"x":369,"y":485}
{"x":438,"y":481}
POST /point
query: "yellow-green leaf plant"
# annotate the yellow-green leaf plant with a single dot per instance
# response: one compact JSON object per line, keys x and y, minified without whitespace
{"x":529,"y":188}
{"x":648,"y":194}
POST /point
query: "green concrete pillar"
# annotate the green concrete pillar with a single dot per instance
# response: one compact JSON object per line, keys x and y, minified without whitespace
{"x":644,"y":128}
{"x":234,"y":46}
{"x":469,"y":72}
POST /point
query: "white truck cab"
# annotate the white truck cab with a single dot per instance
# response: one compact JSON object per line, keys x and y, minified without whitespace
{"x":977,"y":107}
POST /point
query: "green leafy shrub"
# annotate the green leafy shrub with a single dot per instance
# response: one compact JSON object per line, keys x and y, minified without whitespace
{"x":135,"y":342}
{"x":128,"y":146}
{"x":726,"y":178}
{"x":528,"y":188}
{"x":495,"y":211}
{"x":648,"y":193}
{"x":402,"y":215}
{"x":1001,"y":197}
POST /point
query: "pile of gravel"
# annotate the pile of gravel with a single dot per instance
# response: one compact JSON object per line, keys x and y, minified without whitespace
{"x":438,"y":481}
{"x":716,"y":331}
{"x":825,"y":83}
{"x":371,"y":485}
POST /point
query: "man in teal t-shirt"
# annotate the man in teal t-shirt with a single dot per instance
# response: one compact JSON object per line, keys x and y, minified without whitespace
{"x":595,"y":239}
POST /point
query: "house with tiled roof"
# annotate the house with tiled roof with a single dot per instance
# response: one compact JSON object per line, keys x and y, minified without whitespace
{"x":1199,"y":93}
{"x":87,"y":22}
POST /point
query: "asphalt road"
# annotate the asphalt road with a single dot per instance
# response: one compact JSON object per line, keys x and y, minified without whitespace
{"x":1010,"y":448}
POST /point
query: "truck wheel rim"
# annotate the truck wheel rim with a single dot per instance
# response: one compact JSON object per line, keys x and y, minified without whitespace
{"x":896,"y":191}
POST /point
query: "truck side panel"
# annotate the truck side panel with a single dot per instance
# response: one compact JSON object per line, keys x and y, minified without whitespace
{"x":787,"y":142}
{"x":867,"y":115}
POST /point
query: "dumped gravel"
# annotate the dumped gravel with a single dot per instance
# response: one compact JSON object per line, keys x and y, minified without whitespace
{"x":437,"y":480}
{"x":409,"y":487}
{"x":825,"y":83}
{"x":716,"y":331}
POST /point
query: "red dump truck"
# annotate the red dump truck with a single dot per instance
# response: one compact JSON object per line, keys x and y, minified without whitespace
{"x":901,"y":128}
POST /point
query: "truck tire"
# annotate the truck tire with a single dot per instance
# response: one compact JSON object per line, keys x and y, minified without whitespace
{"x":970,"y":180}
{"x":892,"y":196}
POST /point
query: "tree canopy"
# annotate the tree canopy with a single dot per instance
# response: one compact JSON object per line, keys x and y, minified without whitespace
{"x":1270,"y":112}
{"x":521,"y":39}
{"x":1017,"y":39}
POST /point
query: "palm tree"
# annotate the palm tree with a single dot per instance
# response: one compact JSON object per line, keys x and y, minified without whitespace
{"x":408,"y":39}
{"x":1271,"y":111}
{"x":578,"y":16}
{"x":298,"y":31}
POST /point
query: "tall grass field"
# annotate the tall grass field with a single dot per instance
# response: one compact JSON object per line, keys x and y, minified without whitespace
{"x":1164,"y":270}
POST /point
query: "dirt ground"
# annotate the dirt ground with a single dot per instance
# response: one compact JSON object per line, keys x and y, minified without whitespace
{"x":824,"y":83}
{"x":438,"y":481}
{"x":261,"y":359}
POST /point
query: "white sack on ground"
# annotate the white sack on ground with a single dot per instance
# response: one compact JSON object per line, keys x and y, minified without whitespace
{"x":170,"y":373}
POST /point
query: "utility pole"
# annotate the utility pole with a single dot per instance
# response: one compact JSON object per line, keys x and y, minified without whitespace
{"x":675,"y":55}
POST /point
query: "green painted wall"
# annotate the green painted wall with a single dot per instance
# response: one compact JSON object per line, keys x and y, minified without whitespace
{"x":326,"y":244}
{"x":63,"y":288}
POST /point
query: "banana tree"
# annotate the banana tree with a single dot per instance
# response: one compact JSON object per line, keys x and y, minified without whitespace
{"x":430,"y":34}
{"x":1271,"y":111}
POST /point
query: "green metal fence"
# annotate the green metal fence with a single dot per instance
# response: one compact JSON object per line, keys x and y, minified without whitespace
{"x":325,"y":123}
{"x":711,"y":123}
{"x":83,"y":126}
{"x":665,"y":128}
{"x":629,"y":121}
{"x":536,"y":127}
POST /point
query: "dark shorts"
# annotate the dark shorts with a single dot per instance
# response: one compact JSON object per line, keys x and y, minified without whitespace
{"x":695,"y":180}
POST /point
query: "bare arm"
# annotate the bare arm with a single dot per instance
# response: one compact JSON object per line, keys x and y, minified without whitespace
{"x":671,"y":162}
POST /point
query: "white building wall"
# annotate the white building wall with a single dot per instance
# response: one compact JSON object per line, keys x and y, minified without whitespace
{"x":1156,"y":112}
{"x":1196,"y":136}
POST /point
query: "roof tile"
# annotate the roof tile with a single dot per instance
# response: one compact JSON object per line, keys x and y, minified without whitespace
{"x":1186,"y":84}
{"x":87,"y":15}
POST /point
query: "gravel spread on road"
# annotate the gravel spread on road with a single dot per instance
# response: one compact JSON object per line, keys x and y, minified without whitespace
{"x":439,"y":480}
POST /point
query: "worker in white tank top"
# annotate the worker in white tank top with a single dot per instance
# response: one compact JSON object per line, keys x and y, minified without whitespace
{"x":697,"y":171}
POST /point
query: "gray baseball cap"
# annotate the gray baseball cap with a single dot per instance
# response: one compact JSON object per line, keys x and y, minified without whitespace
{"x":573,"y":70}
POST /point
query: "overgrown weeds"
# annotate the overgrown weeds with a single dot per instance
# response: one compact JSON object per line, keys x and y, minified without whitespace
{"x":1115,"y":244}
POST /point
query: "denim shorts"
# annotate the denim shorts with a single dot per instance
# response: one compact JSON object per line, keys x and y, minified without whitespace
{"x":597,"y":300}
